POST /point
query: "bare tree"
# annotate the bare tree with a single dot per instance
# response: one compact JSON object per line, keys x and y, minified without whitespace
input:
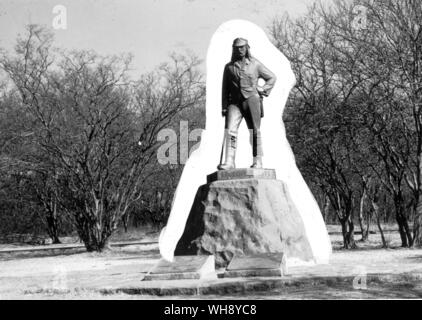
{"x":390,"y":40}
{"x":319,"y":116}
{"x":90,"y":117}
{"x":359,"y":87}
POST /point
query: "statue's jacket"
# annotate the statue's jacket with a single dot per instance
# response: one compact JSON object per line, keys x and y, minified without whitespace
{"x":242,"y":83}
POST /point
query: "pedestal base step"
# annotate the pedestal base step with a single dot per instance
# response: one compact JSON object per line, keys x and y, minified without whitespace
{"x":259,"y":265}
{"x":237,"y":174}
{"x":183,"y":267}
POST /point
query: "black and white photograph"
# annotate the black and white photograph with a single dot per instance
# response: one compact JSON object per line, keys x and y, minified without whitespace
{"x":217,"y":151}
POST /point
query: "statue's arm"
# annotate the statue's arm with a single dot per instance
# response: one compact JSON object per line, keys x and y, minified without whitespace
{"x":225,"y":92}
{"x":269,"y":77}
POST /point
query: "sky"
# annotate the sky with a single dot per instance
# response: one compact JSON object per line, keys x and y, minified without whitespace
{"x":149,"y":29}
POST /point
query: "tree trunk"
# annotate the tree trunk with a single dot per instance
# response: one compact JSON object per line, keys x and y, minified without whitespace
{"x":377,"y":213}
{"x":52,"y":230}
{"x":368,"y":224}
{"x":408,"y":232}
{"x":404,"y":230}
{"x":348,"y":231}
{"x":326,"y":208}
{"x":402,"y":233}
{"x":417,"y":224}
{"x":417,"y":231}
{"x":53,"y":224}
{"x":351,"y":235}
{"x":125,"y":220}
{"x":96,"y":245}
{"x":384,"y":242}
{"x":361,"y":218}
{"x":387,"y":210}
{"x":94,"y":236}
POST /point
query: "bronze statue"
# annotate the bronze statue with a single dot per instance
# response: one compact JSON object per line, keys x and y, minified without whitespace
{"x":243,"y":98}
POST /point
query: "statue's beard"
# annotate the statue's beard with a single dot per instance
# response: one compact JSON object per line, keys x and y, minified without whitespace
{"x":239,"y":56}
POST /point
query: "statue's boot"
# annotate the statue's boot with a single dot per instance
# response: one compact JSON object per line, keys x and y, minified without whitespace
{"x":257,"y":163}
{"x":229,"y":163}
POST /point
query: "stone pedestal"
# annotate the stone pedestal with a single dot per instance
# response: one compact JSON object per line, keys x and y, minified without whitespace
{"x":243,"y":212}
{"x":186,"y":267}
{"x":259,"y":265}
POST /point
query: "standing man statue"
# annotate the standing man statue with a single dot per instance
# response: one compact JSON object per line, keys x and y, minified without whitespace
{"x":242,"y":98}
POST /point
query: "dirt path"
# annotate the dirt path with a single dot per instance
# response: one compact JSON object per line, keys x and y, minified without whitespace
{"x":390,"y":274}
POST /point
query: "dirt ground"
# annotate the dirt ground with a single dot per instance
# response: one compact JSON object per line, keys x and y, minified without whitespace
{"x":393,"y":273}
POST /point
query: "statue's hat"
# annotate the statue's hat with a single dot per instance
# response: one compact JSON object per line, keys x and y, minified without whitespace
{"x":240,"y":42}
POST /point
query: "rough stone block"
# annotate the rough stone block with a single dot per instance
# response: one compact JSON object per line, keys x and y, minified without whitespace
{"x":259,"y":265}
{"x":184,"y":267}
{"x":244,"y":217}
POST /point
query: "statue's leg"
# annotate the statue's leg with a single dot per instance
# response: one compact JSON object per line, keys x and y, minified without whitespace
{"x":233,"y":120}
{"x":252,"y":113}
